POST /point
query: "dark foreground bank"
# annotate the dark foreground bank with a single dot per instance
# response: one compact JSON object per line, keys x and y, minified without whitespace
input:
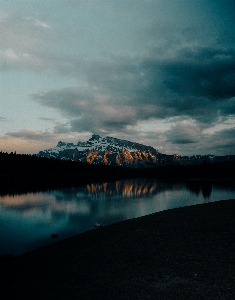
{"x":184,"y":253}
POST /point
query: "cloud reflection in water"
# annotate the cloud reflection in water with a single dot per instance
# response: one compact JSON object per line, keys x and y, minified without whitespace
{"x":28,"y":220}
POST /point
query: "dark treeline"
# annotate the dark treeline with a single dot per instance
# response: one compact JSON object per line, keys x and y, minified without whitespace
{"x":24,"y":173}
{"x":18,"y":164}
{"x":217,"y":170}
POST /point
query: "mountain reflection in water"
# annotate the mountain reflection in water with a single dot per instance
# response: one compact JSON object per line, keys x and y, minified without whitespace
{"x":28,"y":220}
{"x":133,"y":188}
{"x":126,"y":188}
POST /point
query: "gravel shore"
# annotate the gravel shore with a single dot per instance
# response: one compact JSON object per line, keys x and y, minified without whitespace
{"x":183,"y":253}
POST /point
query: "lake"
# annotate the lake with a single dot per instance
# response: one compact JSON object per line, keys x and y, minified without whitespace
{"x":28,"y":220}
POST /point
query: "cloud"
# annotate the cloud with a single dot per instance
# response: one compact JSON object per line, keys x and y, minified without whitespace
{"x":192,"y":81}
{"x":20,"y":32}
{"x":119,"y":92}
{"x":28,"y":134}
{"x":71,"y":101}
{"x":201,"y":72}
{"x":24,"y":43}
{"x":88,"y":110}
{"x":61,"y":129}
{"x":16,"y":60}
{"x":51,"y":120}
{"x":184,"y":132}
{"x":187,"y":138}
{"x":41,"y":24}
{"x":223,"y":141}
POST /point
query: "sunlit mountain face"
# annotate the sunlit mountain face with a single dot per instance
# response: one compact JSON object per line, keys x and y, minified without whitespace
{"x":106,"y":151}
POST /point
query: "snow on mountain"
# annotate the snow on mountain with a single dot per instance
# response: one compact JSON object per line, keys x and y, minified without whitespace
{"x":107,"y":150}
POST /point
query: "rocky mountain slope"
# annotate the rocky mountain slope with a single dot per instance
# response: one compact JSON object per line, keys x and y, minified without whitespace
{"x":107,"y":151}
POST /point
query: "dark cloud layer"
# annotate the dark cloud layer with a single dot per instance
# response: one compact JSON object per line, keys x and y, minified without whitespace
{"x":221,"y":142}
{"x":183,"y":133}
{"x":196,"y":82}
{"x":202,"y":72}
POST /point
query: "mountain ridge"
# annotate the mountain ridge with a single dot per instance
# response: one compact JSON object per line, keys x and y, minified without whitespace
{"x":118,"y":152}
{"x":107,"y":151}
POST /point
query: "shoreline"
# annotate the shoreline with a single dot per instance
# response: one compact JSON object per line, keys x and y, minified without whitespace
{"x":181,"y":253}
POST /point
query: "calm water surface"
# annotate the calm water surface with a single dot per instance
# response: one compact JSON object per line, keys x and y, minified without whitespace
{"x":28,"y":220}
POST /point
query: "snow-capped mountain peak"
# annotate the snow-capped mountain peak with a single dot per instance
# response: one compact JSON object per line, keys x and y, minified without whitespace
{"x":107,"y":150}
{"x":95,"y":137}
{"x":65,"y":145}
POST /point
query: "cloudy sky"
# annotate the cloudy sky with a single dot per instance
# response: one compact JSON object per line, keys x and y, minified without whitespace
{"x":157,"y":72}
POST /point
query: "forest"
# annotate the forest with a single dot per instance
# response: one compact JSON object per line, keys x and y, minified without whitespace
{"x":21,"y":172}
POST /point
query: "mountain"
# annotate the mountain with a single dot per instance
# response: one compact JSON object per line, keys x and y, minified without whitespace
{"x":107,"y":151}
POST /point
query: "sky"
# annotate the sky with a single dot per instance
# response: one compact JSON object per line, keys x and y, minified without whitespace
{"x":156,"y":72}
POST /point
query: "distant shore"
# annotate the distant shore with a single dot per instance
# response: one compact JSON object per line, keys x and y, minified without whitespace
{"x":183,"y":253}
{"x":22,"y":173}
{"x":24,"y":183}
